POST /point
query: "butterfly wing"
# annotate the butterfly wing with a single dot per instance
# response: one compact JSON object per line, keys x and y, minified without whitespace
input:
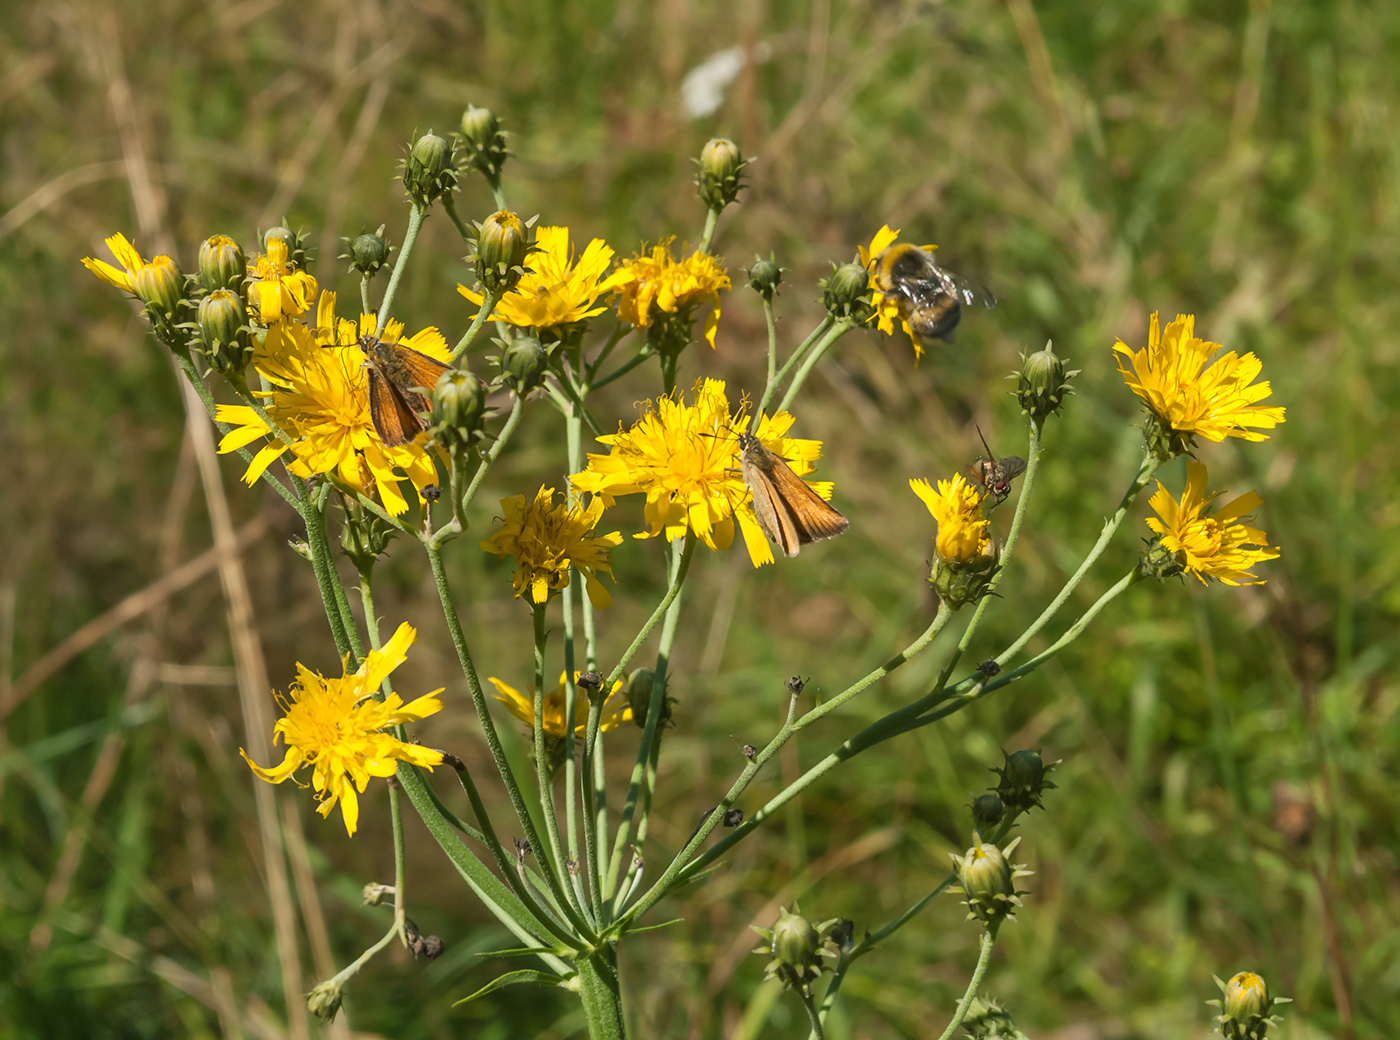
{"x":813,"y":517}
{"x":789,"y":512}
{"x":419,"y":373}
{"x":393,"y":418}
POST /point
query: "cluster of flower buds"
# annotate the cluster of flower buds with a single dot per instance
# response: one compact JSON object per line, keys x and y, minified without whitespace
{"x":364,"y":536}
{"x":799,"y":950}
{"x":988,"y":880}
{"x":1245,"y":1009}
{"x":1042,"y":383}
{"x":721,"y":173}
{"x":483,"y":143}
{"x":220,"y":330}
{"x":1024,"y":778}
{"x":430,"y":169}
{"x":367,"y":252}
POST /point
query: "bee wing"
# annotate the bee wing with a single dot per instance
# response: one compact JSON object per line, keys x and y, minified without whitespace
{"x":393,"y":418}
{"x":965,"y":291}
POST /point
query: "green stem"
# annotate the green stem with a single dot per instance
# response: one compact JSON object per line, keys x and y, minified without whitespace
{"x":711,"y":219}
{"x":772,"y":323}
{"x":591,"y":369}
{"x":983,"y":959}
{"x":815,"y":1019}
{"x":333,"y":599}
{"x":680,"y":565}
{"x":627,"y":366}
{"x":451,"y":208}
{"x":416,"y":215}
{"x":601,"y":995}
{"x":791,"y":726}
{"x":838,"y":329}
{"x":400,"y":907}
{"x":498,"y":193}
{"x":489,"y":299}
{"x":488,"y":727}
{"x":542,"y":775}
{"x":365,"y":307}
{"x":822,"y":327}
{"x":517,"y":409}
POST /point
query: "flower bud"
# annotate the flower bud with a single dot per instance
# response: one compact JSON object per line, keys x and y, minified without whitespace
{"x":845,"y":294}
{"x":987,"y":811}
{"x":1023,"y":780}
{"x":795,"y":941}
{"x":459,"y":405}
{"x":222,"y":264}
{"x":483,"y":142}
{"x":765,"y":276}
{"x":523,"y":363}
{"x":368,"y":252}
{"x":160,"y":286}
{"x":1042,"y":383}
{"x":1246,"y":1007}
{"x":989,"y":882}
{"x":324,"y":1001}
{"x":988,"y":1020}
{"x":428,"y":170}
{"x":721,"y":168}
{"x":223,"y":329}
{"x":296,"y":244}
{"x":364,"y":537}
{"x":796,"y":947}
{"x":1160,"y":562}
{"x":501,"y":246}
{"x":639,"y":690}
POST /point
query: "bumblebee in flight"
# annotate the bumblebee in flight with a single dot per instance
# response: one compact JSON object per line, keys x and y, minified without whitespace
{"x":930,"y":299}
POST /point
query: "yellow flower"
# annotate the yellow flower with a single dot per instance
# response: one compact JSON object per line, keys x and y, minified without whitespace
{"x":957,"y":506}
{"x":278,"y":289}
{"x":615,"y":712}
{"x":547,"y":539}
{"x":336,"y":726}
{"x":1186,"y":396}
{"x":887,"y":310}
{"x":149,"y":281}
{"x":556,"y":289}
{"x":650,"y":287}
{"x":1221,"y":545}
{"x":319,"y":398}
{"x":684,"y":458}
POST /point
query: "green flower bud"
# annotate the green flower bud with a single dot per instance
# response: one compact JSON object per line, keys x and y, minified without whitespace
{"x":368,"y":252}
{"x":846,"y":293}
{"x":523,"y":363}
{"x":428,"y":170}
{"x":501,"y":246}
{"x":988,"y":1020}
{"x":795,"y":941}
{"x":1042,"y":383}
{"x":1160,"y":562}
{"x":223,"y":330}
{"x":796,"y":948}
{"x":639,"y":689}
{"x":324,"y":1001}
{"x":160,"y":286}
{"x":765,"y":276}
{"x":296,"y":243}
{"x":483,"y":143}
{"x":222,"y":264}
{"x":721,"y":169}
{"x":959,"y":584}
{"x":989,"y":882}
{"x":363,"y":536}
{"x":1246,"y":1007}
{"x":459,"y":405}
{"x":987,"y":811}
{"x":1023,"y":780}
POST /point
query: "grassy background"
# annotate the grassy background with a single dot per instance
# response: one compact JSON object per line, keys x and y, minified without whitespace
{"x":1091,"y":162}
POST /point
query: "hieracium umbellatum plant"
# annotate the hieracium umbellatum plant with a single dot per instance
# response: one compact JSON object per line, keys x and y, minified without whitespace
{"x":544,"y":319}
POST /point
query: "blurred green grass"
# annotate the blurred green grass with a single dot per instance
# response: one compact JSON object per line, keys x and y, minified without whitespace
{"x":1092,"y":163}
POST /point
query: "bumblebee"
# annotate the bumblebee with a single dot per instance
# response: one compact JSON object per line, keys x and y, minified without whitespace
{"x":930,"y":299}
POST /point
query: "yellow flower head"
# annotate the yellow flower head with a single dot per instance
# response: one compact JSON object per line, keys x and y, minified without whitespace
{"x":651,"y":287}
{"x":556,"y":290}
{"x":278,"y":289}
{"x":319,"y":397}
{"x":1220,"y":545}
{"x":957,"y":506}
{"x":684,"y":458}
{"x":615,"y":712}
{"x":136,"y":275}
{"x":887,"y":311}
{"x":1173,"y":380}
{"x":547,"y":539}
{"x":336,"y":726}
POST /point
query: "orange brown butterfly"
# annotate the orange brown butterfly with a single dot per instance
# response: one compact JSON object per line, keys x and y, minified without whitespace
{"x":400,"y":381}
{"x":789,"y":512}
